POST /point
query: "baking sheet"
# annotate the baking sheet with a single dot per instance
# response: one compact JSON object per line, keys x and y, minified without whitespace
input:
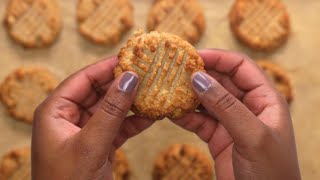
{"x":299,"y":56}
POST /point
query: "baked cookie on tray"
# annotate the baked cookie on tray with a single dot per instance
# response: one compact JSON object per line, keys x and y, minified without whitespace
{"x":24,"y":89}
{"x":164,"y":63}
{"x":120,"y":167}
{"x":33,"y":23}
{"x":279,"y":77}
{"x":260,"y":24}
{"x":16,"y":164}
{"x":184,"y":18}
{"x":183,"y":162}
{"x":104,"y":21}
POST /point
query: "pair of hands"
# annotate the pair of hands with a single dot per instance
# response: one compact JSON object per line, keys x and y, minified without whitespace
{"x":247,"y":124}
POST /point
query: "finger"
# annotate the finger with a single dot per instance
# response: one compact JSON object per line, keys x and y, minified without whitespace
{"x":103,"y":126}
{"x":239,"y":121}
{"x":240,"y":68}
{"x":202,"y":125}
{"x":67,"y":100}
{"x":92,"y":80}
{"x":132,"y":126}
{"x":227,"y":83}
{"x":259,"y":92}
{"x":207,"y":129}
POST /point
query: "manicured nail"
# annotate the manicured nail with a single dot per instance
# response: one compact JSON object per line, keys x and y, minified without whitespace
{"x":128,"y":82}
{"x":201,"y":82}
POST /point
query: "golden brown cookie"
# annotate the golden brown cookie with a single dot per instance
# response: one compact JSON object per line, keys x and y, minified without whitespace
{"x":164,"y":64}
{"x":183,"y":162}
{"x":16,"y":165}
{"x":260,"y":24}
{"x":184,"y":18}
{"x":104,"y":21}
{"x":120,"y":166}
{"x":24,"y":89}
{"x":33,"y":23}
{"x":279,"y":77}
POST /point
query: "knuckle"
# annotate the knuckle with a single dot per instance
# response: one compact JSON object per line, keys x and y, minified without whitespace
{"x":226,"y":102}
{"x":113,"y":108}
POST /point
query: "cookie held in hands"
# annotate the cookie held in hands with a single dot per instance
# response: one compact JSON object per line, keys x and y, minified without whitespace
{"x":164,"y":63}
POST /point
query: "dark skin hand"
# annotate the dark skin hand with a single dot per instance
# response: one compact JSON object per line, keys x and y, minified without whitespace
{"x":78,"y":128}
{"x":247,"y":126}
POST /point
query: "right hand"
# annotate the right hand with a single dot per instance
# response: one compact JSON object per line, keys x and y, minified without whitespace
{"x":248,"y":126}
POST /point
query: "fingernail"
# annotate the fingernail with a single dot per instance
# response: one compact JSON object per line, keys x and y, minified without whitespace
{"x":201,"y":82}
{"x":128,"y":82}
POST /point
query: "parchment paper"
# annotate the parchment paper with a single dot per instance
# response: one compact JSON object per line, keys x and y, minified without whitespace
{"x":300,"y":56}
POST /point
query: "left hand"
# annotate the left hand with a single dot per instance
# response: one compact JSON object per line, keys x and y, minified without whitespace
{"x":79,"y":126}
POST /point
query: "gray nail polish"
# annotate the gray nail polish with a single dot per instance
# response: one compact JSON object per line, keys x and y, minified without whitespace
{"x":201,"y":82}
{"x":128,"y":82}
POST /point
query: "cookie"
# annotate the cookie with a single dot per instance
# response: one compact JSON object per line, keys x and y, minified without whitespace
{"x":33,"y":23}
{"x":182,"y":162}
{"x":104,"y":21}
{"x":120,"y":166}
{"x":24,"y":89}
{"x":260,"y":24}
{"x":279,"y":77}
{"x":16,"y":164}
{"x":184,"y":18}
{"x":164,"y":63}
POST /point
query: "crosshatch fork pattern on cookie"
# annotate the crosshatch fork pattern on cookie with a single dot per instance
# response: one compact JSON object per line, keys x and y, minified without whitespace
{"x":161,"y":71}
{"x":34,"y":23}
{"x":177,"y":18}
{"x":261,"y":20}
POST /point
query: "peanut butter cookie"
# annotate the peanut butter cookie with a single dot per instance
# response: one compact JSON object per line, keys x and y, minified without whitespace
{"x":184,"y":18}
{"x":16,"y":164}
{"x":164,"y":64}
{"x":104,"y":21}
{"x":260,"y":24}
{"x":33,"y":23}
{"x":279,"y":77}
{"x":183,"y":162}
{"x":24,"y":89}
{"x":120,"y":166}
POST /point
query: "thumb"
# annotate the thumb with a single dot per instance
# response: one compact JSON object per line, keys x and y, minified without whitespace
{"x":102,"y":128}
{"x":242,"y":125}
